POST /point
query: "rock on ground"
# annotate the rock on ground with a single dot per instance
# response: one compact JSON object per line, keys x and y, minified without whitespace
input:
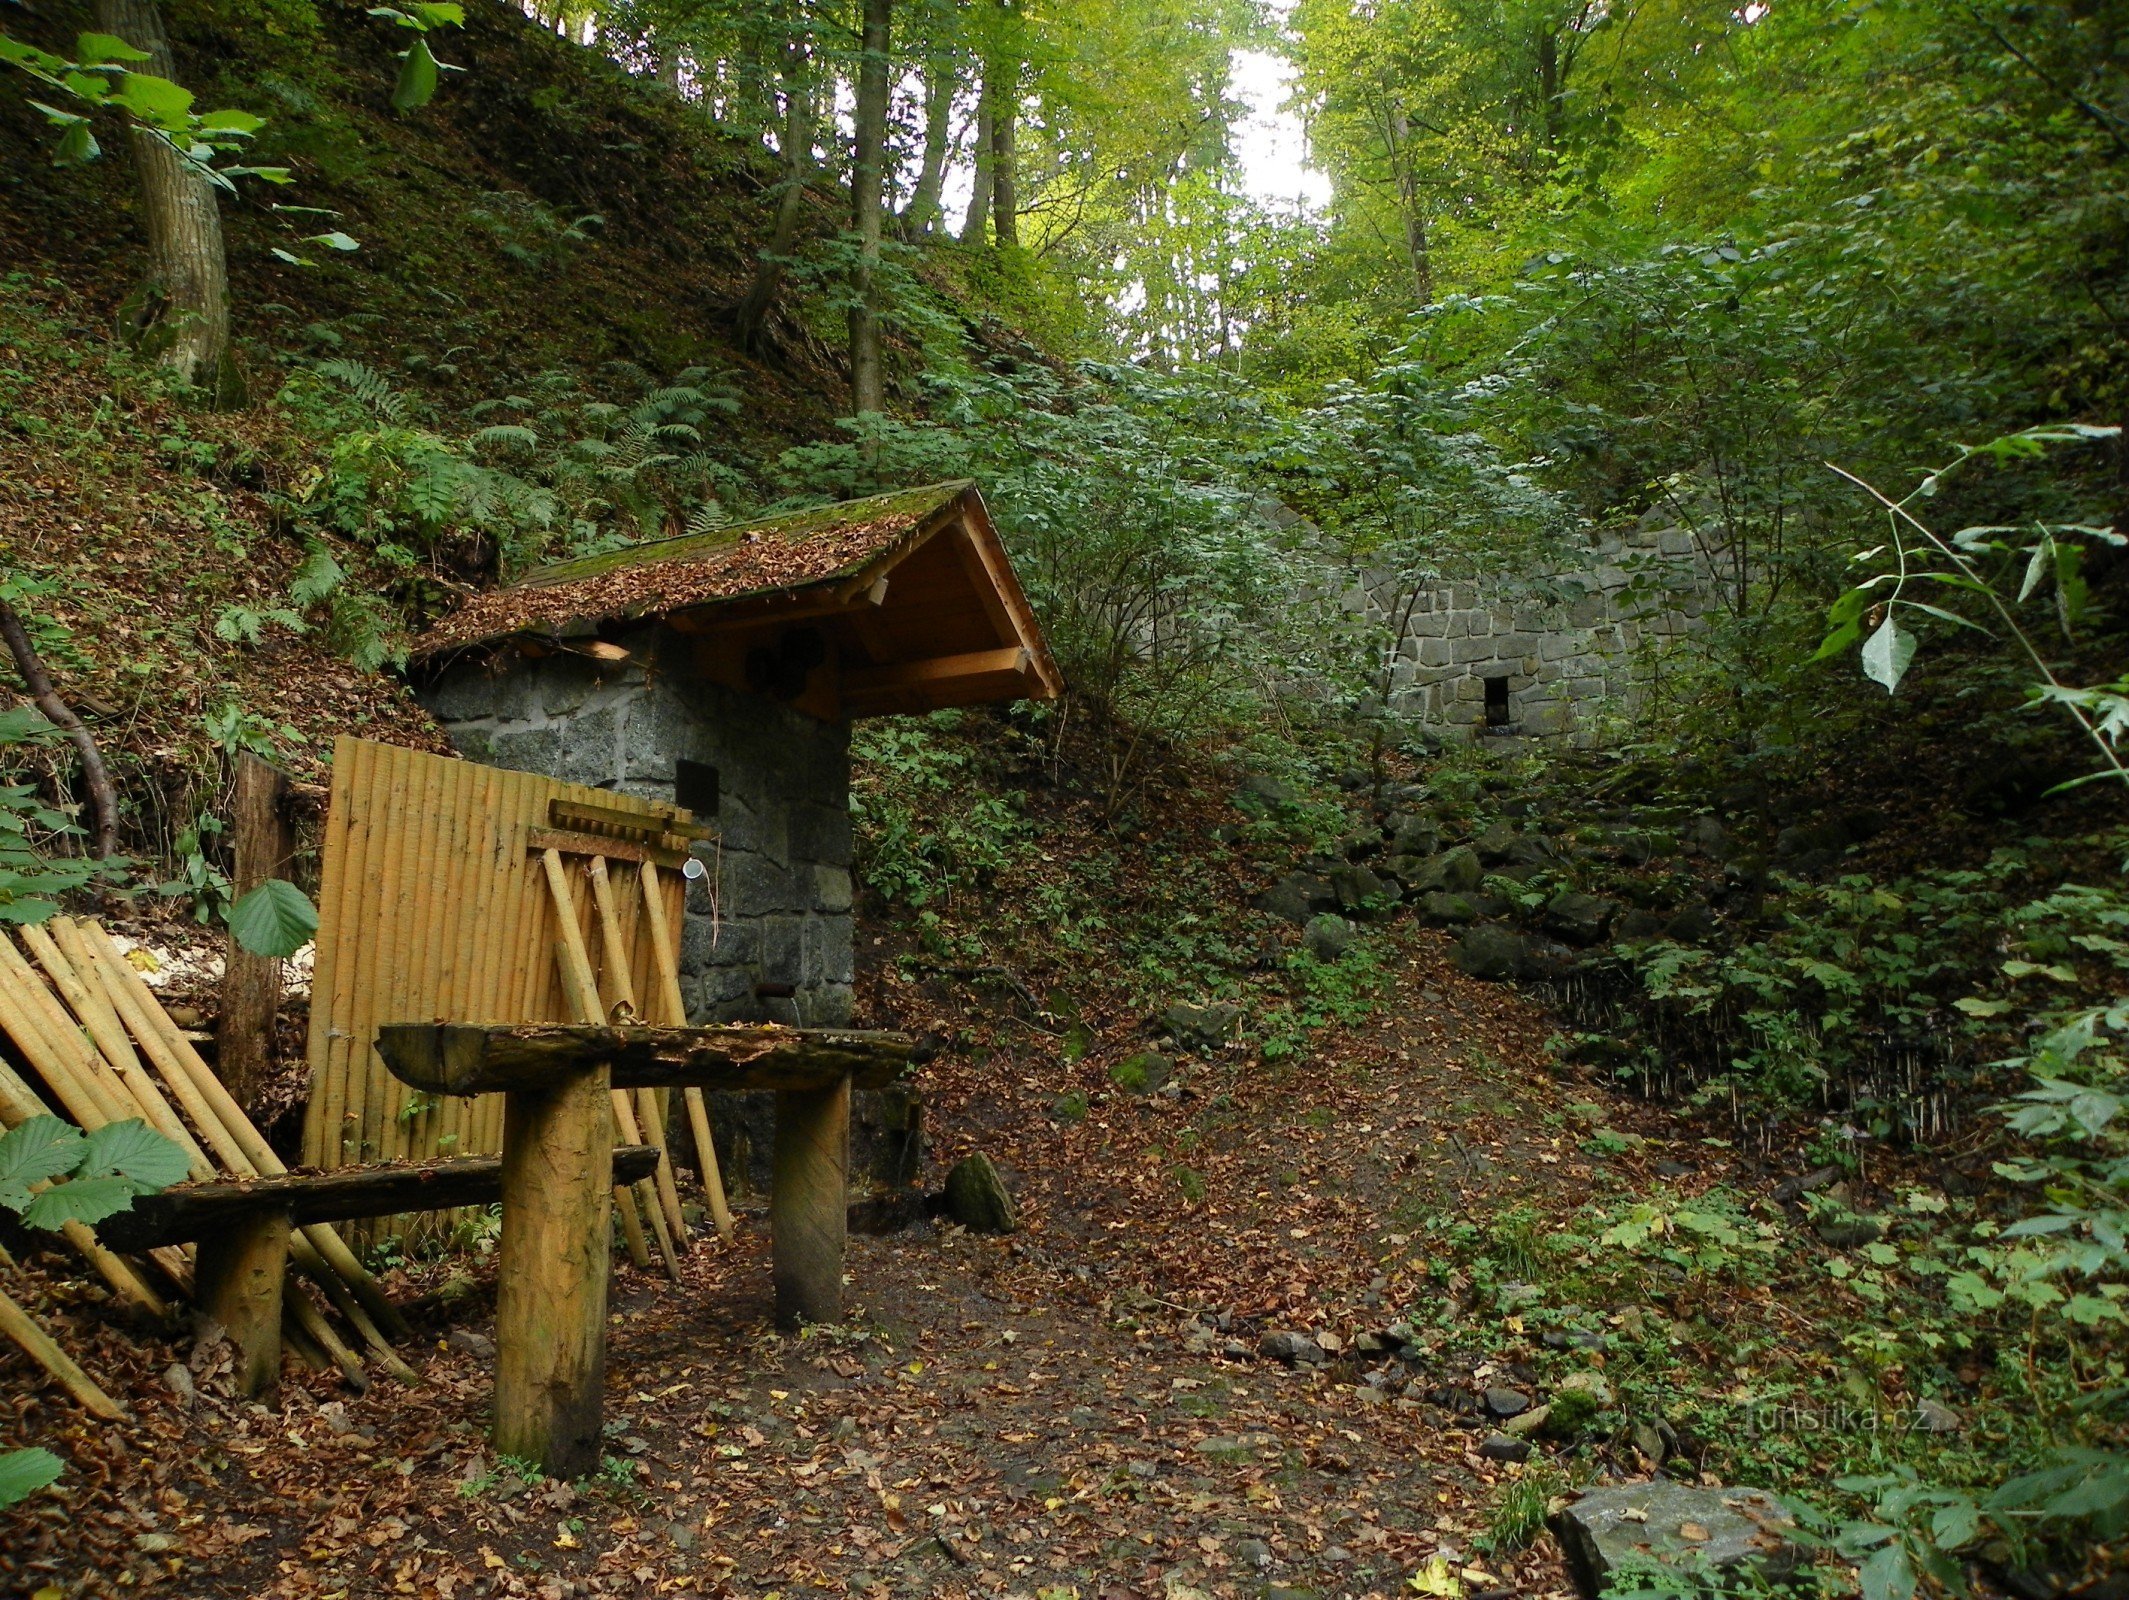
{"x":977,"y":1198}
{"x":1676,"y":1527}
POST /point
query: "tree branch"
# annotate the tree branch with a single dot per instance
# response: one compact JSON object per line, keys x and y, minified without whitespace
{"x":56,"y":711}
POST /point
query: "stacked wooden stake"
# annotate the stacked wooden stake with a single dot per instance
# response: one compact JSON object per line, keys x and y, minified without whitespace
{"x":84,"y":1020}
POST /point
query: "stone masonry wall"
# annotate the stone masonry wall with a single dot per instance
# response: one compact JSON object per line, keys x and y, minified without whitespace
{"x":1566,"y":645}
{"x":775,"y":908}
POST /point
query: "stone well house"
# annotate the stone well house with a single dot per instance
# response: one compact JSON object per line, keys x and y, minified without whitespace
{"x":1555,"y":657}
{"x":722,"y":672}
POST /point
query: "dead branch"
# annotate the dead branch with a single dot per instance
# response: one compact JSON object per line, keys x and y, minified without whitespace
{"x":102,"y":796}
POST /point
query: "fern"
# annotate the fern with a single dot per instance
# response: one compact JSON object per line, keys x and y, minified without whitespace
{"x":507,"y":436}
{"x":318,"y":577}
{"x":368,"y":386}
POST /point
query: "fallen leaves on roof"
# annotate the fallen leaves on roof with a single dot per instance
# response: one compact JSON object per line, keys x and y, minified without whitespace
{"x":789,"y":552}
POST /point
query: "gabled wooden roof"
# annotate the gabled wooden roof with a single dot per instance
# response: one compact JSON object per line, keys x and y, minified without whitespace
{"x":900,"y":602}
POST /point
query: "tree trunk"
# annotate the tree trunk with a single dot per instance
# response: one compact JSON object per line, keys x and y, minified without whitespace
{"x":263,"y":845}
{"x":1417,"y":251}
{"x":922,"y":216}
{"x":1550,"y":88}
{"x":1005,"y":173}
{"x":979,"y":195}
{"x":186,"y":310}
{"x":752,"y":106}
{"x":868,"y":166}
{"x":753,"y":313}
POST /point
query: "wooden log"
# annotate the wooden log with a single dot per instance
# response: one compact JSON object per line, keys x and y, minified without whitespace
{"x":592,"y":844}
{"x":552,"y":1271}
{"x":665,"y":960}
{"x":808,"y":1224}
{"x":198,"y":1210}
{"x":40,"y":1347}
{"x":296,"y":1302}
{"x":477,"y":1058}
{"x":237,"y":1280}
{"x":264,"y":844}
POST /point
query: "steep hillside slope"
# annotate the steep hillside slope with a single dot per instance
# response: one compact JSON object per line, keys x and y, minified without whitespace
{"x":545,"y":209}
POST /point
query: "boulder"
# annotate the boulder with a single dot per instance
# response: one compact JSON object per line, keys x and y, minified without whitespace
{"x":976,"y":1197}
{"x":1638,"y":927}
{"x":1402,"y":871}
{"x":1412,"y":835}
{"x":1577,"y":918}
{"x":1142,"y":1073}
{"x":1295,"y":1349}
{"x":1358,"y":889}
{"x":1261,"y":792}
{"x":1531,"y":850}
{"x":1201,"y":1027}
{"x":1327,"y":937}
{"x":1495,"y":843}
{"x":1297,"y":897}
{"x":1504,"y":1447}
{"x":1609,"y":1533}
{"x":1361,"y":843}
{"x":1444,"y":909}
{"x":1848,"y":1233}
{"x":1488,"y":950}
{"x":1458,"y":871}
{"x":1506,"y":1402}
{"x":1693,"y":925}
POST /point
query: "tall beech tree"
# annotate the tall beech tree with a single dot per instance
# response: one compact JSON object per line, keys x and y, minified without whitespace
{"x":795,"y":145}
{"x":868,"y":173}
{"x":184,"y":305}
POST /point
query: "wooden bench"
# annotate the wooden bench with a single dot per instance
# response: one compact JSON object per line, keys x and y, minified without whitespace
{"x":557,"y":1184}
{"x":242,"y":1229}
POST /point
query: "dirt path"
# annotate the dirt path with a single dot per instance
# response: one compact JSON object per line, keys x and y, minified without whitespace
{"x":1056,"y":1413}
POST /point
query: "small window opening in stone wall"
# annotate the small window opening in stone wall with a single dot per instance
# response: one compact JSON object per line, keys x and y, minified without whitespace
{"x":1496,"y":702}
{"x":695,"y":787}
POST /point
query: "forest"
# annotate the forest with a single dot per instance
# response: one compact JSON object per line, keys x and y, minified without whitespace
{"x":1398,"y":724}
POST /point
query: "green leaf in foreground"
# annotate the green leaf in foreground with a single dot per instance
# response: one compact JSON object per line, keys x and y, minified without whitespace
{"x":134,"y":1153}
{"x":83,"y":1200}
{"x":275,"y":919}
{"x":417,"y":78}
{"x":40,"y":1149}
{"x":24,"y":1472}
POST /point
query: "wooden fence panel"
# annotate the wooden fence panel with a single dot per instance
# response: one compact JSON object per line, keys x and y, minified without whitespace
{"x":433,"y":906}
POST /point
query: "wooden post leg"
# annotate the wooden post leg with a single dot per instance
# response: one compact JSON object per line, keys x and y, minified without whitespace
{"x":237,"y":1281}
{"x":807,"y":1216}
{"x":556,"y":1256}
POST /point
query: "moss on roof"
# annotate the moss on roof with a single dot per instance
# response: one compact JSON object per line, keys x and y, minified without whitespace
{"x":768,"y":556}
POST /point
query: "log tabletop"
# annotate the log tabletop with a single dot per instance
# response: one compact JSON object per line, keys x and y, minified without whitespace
{"x":457,"y":1058}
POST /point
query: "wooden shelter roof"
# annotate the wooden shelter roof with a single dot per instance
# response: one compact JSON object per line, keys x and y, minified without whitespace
{"x":900,"y":602}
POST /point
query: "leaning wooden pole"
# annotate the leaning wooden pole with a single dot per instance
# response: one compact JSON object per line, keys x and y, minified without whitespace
{"x":40,"y":1348}
{"x":18,"y":1104}
{"x":221,"y":1122}
{"x":259,"y":1158}
{"x":583,"y":997}
{"x":624,"y":993}
{"x":664,"y":959}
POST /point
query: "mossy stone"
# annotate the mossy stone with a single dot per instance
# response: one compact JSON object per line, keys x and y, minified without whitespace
{"x":977,"y":1198}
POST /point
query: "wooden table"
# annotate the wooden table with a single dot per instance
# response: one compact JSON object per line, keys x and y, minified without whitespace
{"x":557,"y":1184}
